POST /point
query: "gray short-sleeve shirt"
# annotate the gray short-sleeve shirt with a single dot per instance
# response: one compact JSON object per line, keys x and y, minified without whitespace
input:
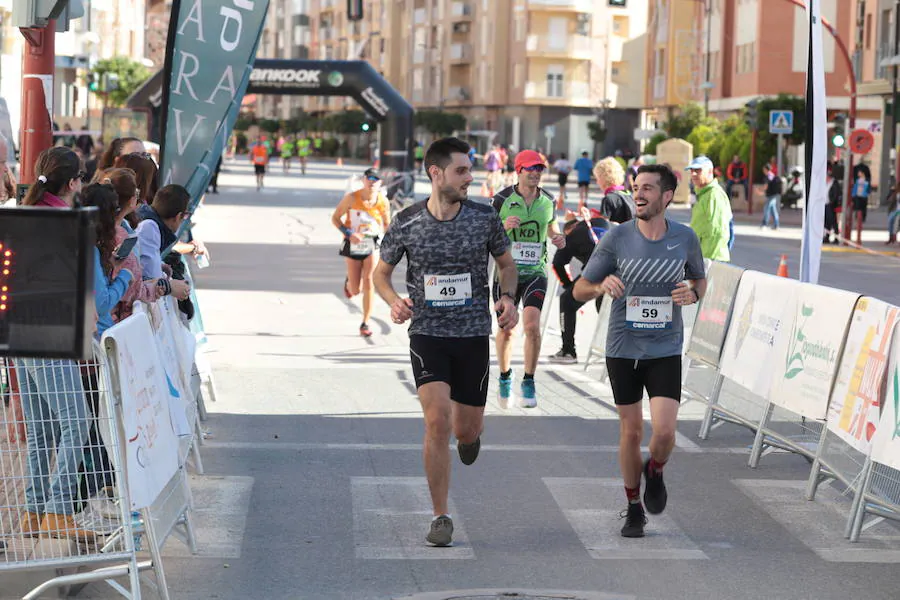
{"x":644,"y":323}
{"x":447,"y":262}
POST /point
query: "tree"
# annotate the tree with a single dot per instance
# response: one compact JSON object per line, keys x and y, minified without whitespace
{"x":437,"y":122}
{"x":702,"y":138}
{"x":690,"y":116}
{"x":346,"y":121}
{"x":655,"y":141}
{"x":269,"y":125}
{"x":131,"y":75}
{"x":597,"y":131}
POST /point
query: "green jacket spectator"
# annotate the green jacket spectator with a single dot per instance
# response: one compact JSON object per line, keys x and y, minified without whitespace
{"x":711,"y":216}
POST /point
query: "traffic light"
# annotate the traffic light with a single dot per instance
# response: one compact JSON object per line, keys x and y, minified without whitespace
{"x":840,"y":121}
{"x":751,"y":114}
{"x":354,"y":10}
{"x":92,"y":84}
{"x":365,"y":126}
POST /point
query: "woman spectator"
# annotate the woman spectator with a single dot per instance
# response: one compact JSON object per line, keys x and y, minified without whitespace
{"x":111,"y":279}
{"x":53,"y":398}
{"x":119,"y":147}
{"x":893,"y":214}
{"x":145,"y":179}
{"x":144,"y":290}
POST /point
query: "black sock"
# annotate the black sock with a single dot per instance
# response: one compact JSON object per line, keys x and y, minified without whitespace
{"x":528,"y":376}
{"x":506,"y":374}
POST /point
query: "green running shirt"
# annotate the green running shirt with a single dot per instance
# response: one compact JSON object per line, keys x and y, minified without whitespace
{"x":529,"y":239}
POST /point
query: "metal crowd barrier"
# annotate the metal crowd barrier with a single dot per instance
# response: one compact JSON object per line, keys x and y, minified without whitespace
{"x":93,"y":467}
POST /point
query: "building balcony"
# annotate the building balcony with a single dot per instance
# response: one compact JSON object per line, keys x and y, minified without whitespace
{"x":460,"y":53}
{"x":460,"y":11}
{"x":574,"y":93}
{"x":459,"y":93}
{"x":575,"y":6}
{"x":576,"y":47}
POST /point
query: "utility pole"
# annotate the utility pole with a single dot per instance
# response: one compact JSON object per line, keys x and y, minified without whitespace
{"x":894,"y":92}
{"x":707,"y":84}
{"x":38,"y":65}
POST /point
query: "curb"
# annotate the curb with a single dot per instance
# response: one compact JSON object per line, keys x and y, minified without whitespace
{"x":514,"y":594}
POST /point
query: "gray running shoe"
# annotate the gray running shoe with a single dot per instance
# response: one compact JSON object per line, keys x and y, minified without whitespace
{"x":441,"y":532}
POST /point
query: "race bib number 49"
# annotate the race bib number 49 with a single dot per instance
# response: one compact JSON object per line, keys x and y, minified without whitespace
{"x":527,"y":253}
{"x":648,"y":312}
{"x":448,"y":290}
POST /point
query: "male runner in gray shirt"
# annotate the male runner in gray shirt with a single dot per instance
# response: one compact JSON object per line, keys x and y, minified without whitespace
{"x":446,"y":240}
{"x":643,"y":265}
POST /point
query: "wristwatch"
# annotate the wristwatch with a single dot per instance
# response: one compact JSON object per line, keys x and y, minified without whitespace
{"x":508,"y":295}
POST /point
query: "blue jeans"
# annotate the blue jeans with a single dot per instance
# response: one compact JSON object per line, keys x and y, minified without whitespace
{"x":772,"y":203}
{"x":893,"y":219}
{"x":57,"y":418}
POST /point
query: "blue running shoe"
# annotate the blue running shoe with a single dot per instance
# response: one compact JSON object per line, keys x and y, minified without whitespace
{"x":529,"y":394}
{"x":504,"y":393}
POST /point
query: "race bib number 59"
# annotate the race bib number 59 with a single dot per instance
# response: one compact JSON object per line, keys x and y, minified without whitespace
{"x":648,"y":312}
{"x":448,"y":290}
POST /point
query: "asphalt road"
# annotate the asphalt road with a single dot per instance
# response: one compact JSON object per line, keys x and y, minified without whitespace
{"x":314,"y":485}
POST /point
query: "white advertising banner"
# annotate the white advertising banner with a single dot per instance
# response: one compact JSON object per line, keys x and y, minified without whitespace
{"x":858,"y":391}
{"x":763,"y":312}
{"x":151,"y":447}
{"x":807,"y":355}
{"x":886,"y":441}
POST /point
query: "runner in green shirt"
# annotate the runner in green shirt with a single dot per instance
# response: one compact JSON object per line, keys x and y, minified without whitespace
{"x":420,"y":156}
{"x":529,"y":217}
{"x":287,"y":153}
{"x":303,"y":149}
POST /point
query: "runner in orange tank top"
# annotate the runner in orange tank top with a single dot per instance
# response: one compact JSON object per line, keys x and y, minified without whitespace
{"x":362,"y":216}
{"x":259,"y":156}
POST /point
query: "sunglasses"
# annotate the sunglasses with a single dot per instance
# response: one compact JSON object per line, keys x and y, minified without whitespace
{"x":140,"y":154}
{"x":538,"y":168}
{"x":82,"y":176}
{"x":695,"y":170}
{"x":373,"y":178}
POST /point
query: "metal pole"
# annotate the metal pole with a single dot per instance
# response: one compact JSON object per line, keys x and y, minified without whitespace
{"x":708,"y":54}
{"x":780,"y":143}
{"x":846,"y":208}
{"x":894,"y":91}
{"x":753,"y":135}
{"x":38,"y":63}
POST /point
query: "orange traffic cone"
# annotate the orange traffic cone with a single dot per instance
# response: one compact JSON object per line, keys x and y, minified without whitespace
{"x":782,"y":267}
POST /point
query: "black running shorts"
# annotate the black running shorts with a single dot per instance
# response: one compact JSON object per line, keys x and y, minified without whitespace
{"x":659,"y":376}
{"x":530,"y":292}
{"x":260,"y":169}
{"x":462,"y":363}
{"x":563,"y":179}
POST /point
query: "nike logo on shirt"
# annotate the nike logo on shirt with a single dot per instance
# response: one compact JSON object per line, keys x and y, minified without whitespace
{"x":668,"y":247}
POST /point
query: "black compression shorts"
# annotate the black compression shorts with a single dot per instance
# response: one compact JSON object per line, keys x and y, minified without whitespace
{"x":659,"y":376}
{"x":462,"y":363}
{"x":260,"y":169}
{"x":530,"y":292}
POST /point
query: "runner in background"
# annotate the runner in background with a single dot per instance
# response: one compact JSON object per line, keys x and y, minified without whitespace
{"x":494,"y":165}
{"x":287,"y":153}
{"x":529,"y":218}
{"x":317,"y":145}
{"x":362,"y":216}
{"x":420,"y":157}
{"x":643,"y":266}
{"x":582,"y":235}
{"x":563,"y":167}
{"x":510,"y":167}
{"x":447,"y":240}
{"x":303,"y":150}
{"x":584,"y":166}
{"x":259,"y":156}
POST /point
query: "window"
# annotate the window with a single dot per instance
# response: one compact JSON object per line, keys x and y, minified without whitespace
{"x":485,"y":36}
{"x":520,"y":27}
{"x":868,"y":32}
{"x":583,"y":24}
{"x":555,"y":81}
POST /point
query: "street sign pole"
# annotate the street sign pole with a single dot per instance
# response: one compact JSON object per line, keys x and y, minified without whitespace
{"x":780,"y":154}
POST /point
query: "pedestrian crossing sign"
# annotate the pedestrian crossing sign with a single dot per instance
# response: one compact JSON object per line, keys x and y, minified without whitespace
{"x":781,"y":121}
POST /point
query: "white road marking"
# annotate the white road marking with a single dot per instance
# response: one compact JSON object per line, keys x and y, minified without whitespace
{"x":363,"y":447}
{"x":819,"y":525}
{"x":590,"y":505}
{"x":220,"y":509}
{"x":391,"y":518}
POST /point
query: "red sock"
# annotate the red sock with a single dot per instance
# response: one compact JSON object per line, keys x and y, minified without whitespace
{"x":633,"y":494}
{"x":655,"y":466}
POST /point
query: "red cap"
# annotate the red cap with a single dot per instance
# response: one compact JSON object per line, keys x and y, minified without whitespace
{"x":528,"y":158}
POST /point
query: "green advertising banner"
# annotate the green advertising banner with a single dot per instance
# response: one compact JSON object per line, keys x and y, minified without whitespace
{"x":209,"y":58}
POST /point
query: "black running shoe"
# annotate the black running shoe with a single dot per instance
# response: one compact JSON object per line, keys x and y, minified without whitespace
{"x":635,"y":519}
{"x":468,"y":452}
{"x":655,"y":494}
{"x":440,"y":533}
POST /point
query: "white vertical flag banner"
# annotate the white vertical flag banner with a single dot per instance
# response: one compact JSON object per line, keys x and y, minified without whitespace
{"x":816,"y":146}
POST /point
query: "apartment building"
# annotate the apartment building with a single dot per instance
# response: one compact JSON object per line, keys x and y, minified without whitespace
{"x":513,"y":67}
{"x":756,"y":48}
{"x":286,"y":35}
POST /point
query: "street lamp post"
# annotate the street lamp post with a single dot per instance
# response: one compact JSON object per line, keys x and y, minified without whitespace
{"x":707,"y":85}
